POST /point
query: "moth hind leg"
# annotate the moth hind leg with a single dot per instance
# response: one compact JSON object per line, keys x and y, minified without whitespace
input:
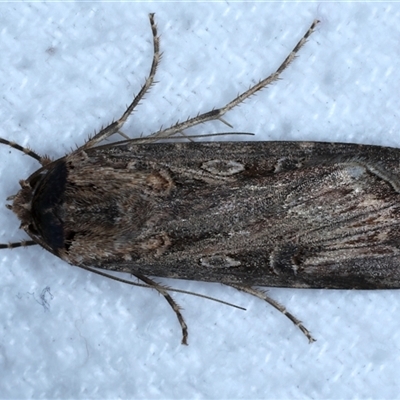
{"x":116,"y":126}
{"x":263,"y":296}
{"x":217,"y":114}
{"x":164,"y":292}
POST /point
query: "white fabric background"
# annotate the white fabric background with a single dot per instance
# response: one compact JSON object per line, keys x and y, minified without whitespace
{"x":66,"y":70}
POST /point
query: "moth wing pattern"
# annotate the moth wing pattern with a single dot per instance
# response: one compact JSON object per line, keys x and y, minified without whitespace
{"x":289,"y":214}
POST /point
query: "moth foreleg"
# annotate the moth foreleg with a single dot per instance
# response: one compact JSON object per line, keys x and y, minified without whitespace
{"x":14,"y":245}
{"x":43,"y":160}
{"x":116,"y":126}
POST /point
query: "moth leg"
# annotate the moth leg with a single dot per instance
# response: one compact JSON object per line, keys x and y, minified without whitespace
{"x":23,"y":243}
{"x":263,"y":296}
{"x":43,"y":161}
{"x":218,"y":113}
{"x":164,"y":292}
{"x":116,"y":126}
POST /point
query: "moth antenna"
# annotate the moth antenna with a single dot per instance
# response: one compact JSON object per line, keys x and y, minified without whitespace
{"x":149,"y":139}
{"x":149,"y":283}
{"x":122,"y":280}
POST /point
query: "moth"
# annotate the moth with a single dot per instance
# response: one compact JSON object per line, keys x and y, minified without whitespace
{"x":244,"y":214}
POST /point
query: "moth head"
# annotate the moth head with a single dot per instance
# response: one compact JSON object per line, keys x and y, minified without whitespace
{"x":22,"y":204}
{"x":37,"y":205}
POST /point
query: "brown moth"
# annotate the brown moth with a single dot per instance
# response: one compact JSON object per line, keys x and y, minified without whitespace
{"x":245,"y":214}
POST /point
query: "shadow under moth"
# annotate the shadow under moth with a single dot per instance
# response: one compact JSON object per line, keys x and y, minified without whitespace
{"x":244,"y":214}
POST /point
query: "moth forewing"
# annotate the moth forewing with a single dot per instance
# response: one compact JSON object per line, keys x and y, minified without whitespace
{"x":257,"y":213}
